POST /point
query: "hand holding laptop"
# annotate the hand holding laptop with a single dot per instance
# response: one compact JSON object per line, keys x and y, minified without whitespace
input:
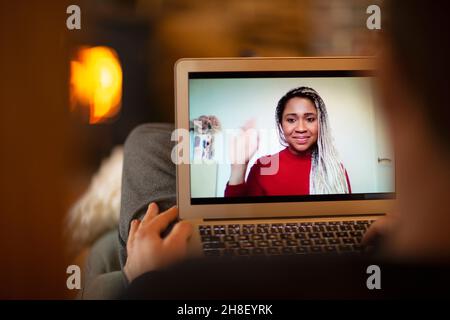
{"x":379,"y":229}
{"x":147,"y":249}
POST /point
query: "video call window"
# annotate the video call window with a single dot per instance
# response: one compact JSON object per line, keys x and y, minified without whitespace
{"x":284,"y":136}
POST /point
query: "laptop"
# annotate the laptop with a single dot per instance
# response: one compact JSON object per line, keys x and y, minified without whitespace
{"x":280,"y":155}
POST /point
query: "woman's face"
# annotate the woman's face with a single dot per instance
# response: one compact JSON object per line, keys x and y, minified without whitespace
{"x":300,"y":124}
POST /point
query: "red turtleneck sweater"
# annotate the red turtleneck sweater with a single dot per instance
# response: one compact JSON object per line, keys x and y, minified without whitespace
{"x":292,"y":178}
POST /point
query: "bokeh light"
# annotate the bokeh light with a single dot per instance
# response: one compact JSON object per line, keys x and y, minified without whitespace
{"x":96,"y":83}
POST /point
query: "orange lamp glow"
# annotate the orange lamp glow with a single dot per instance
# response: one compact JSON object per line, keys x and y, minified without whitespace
{"x":96,"y":82}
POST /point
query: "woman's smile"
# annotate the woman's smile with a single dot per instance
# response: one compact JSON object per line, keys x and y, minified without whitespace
{"x":300,"y":125}
{"x":301,"y":139}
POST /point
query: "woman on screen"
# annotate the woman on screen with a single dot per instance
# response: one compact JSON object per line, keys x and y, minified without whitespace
{"x":309,"y":163}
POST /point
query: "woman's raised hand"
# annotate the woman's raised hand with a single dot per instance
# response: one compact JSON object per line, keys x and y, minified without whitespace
{"x":242,"y":148}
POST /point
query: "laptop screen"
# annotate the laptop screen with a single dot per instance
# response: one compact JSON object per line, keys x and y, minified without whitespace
{"x":287,"y":136}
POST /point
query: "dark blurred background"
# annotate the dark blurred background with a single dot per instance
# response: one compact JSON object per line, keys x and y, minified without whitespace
{"x":150,"y":36}
{"x":51,"y":143}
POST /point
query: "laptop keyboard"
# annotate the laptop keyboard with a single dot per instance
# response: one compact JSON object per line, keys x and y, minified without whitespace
{"x":283,"y":238}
